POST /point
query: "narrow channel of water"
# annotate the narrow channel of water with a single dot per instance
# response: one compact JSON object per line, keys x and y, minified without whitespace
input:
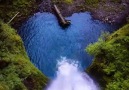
{"x":46,"y":42}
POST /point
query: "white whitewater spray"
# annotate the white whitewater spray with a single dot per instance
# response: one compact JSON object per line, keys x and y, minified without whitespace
{"x":70,"y":78}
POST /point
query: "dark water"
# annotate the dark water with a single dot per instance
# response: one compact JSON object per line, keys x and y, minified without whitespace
{"x":46,"y":42}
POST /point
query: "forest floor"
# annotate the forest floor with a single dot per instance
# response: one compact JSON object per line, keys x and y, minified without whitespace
{"x":26,"y":8}
{"x":110,"y":11}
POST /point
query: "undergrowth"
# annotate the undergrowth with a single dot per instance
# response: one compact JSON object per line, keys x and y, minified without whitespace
{"x":111,"y":62}
{"x":16,"y":70}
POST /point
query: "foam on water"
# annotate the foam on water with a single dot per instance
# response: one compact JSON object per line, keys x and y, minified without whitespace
{"x":70,"y":78}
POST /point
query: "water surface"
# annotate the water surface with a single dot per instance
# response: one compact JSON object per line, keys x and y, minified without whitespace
{"x":46,"y":42}
{"x":70,"y":78}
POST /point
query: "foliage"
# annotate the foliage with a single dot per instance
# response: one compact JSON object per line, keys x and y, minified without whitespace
{"x":8,"y":8}
{"x":15,"y":67}
{"x":111,"y":62}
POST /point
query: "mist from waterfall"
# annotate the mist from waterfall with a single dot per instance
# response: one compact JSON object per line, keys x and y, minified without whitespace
{"x":70,"y":78}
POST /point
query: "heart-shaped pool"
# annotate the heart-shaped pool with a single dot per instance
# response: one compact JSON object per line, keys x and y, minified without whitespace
{"x":46,"y":42}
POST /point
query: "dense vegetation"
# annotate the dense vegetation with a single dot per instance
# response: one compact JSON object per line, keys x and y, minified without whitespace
{"x":8,"y":8}
{"x":111,"y":62}
{"x":16,"y":70}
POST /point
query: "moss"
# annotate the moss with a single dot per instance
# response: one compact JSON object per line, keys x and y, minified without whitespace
{"x":69,"y":1}
{"x":8,"y":8}
{"x":15,"y":66}
{"x":91,"y":2}
{"x":111,"y":62}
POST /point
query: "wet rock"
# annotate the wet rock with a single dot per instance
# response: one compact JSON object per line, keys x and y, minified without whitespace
{"x":115,"y":11}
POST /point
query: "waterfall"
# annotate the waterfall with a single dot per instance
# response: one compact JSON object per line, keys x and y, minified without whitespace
{"x":70,"y":78}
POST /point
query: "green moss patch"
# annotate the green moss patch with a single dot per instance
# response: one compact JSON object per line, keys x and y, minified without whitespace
{"x":63,"y":1}
{"x":16,"y":70}
{"x":8,"y":8}
{"x":111,"y":62}
{"x":91,"y":2}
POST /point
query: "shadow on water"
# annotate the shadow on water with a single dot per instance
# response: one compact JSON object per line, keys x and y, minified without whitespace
{"x":46,"y":42}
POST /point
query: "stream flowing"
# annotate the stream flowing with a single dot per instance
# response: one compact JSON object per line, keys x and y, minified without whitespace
{"x":70,"y":78}
{"x":46,"y":42}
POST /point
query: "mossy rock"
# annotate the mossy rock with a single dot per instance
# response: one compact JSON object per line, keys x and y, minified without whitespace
{"x":16,"y":70}
{"x":9,"y":8}
{"x":111,"y":60}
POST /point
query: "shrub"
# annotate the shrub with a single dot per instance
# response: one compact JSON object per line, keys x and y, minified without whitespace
{"x":111,"y":60}
{"x":15,"y":66}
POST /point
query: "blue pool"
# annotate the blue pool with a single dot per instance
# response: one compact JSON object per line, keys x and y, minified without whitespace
{"x":46,"y":42}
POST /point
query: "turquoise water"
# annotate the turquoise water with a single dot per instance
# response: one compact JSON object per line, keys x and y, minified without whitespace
{"x":46,"y":42}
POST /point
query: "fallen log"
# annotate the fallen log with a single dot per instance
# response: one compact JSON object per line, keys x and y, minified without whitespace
{"x":63,"y":22}
{"x":13,"y":18}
